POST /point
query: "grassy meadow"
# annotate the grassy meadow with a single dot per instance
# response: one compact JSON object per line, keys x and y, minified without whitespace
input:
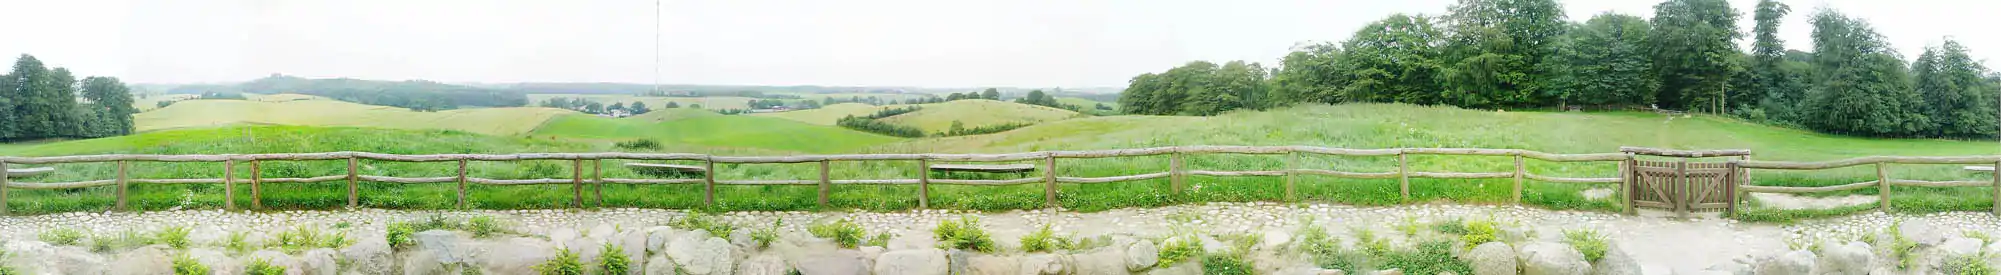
{"x":938,"y":117}
{"x":654,"y":102}
{"x":828,"y":115}
{"x":1350,"y":126}
{"x":212,"y":113}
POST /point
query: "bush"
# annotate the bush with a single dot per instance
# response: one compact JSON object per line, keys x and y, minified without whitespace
{"x":1589,"y":242}
{"x":238,"y":242}
{"x":638,"y":144}
{"x":1972,"y":264}
{"x":873,"y":126}
{"x":61,"y":236}
{"x":176,"y":237}
{"x":880,"y":240}
{"x":1227,"y":264}
{"x":1479,"y":232}
{"x":483,"y":226}
{"x":1176,"y":250}
{"x":184,"y":265}
{"x":1040,"y":241}
{"x":613,"y":260}
{"x":963,"y":234}
{"x":764,"y":236}
{"x":843,"y":232}
{"x":400,"y":234}
{"x":261,"y":266}
{"x":982,"y":130}
{"x":698,"y":220}
{"x":1901,"y":248}
{"x":565,"y":263}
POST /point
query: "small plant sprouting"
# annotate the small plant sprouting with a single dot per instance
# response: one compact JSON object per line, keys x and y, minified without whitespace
{"x":964,"y":233}
{"x":1042,"y":240}
{"x":565,"y":263}
{"x":1587,"y":241}
{"x":61,"y":236}
{"x":843,"y":232}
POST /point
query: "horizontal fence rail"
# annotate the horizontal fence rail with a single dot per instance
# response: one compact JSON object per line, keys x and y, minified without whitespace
{"x":1176,"y":173}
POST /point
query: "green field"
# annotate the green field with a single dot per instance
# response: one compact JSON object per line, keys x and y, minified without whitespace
{"x":653,"y":102}
{"x":977,"y":112}
{"x":828,"y":115}
{"x":211,"y":113}
{"x":1350,"y":126}
{"x":1084,"y":103}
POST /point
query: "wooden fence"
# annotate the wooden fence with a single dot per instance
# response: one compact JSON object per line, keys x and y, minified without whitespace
{"x":1176,"y":173}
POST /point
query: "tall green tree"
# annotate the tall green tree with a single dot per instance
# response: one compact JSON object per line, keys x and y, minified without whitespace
{"x":1496,"y":48}
{"x":9,"y":127}
{"x":1606,"y":63}
{"x":1960,"y":101}
{"x":110,"y":110}
{"x":1393,"y":60}
{"x":1311,"y":73}
{"x":39,"y":109}
{"x":1692,"y":43}
{"x":1197,"y":88}
{"x":991,"y":94}
{"x":1860,"y":86}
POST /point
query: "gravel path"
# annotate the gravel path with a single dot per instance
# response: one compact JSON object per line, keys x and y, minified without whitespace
{"x":1661,"y":244}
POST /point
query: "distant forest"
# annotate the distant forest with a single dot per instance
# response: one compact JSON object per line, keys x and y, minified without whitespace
{"x":40,"y":102}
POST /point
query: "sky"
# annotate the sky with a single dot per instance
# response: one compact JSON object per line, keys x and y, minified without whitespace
{"x":927,"y":43}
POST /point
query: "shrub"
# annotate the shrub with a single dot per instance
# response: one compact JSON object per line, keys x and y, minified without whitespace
{"x":184,"y":265}
{"x":874,"y":126}
{"x":1040,"y":241}
{"x":1900,"y":247}
{"x":1409,"y":227}
{"x":843,"y":232}
{"x":565,"y":263}
{"x":1971,"y":264}
{"x":1479,"y":232}
{"x":638,"y":144}
{"x":613,"y":261}
{"x":483,"y":226}
{"x":1589,"y":242}
{"x":261,"y":266}
{"x":237,"y":242}
{"x":1176,"y":250}
{"x":176,"y":237}
{"x":1430,"y":257}
{"x":963,"y":234}
{"x":698,"y":220}
{"x":1979,"y":235}
{"x":1225,"y":264}
{"x":764,"y":236}
{"x":1455,"y":226}
{"x":880,"y":239}
{"x":61,"y":236}
{"x":337,"y":241}
{"x":400,"y":234}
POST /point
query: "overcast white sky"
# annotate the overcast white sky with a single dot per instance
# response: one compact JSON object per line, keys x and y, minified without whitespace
{"x":1032,"y":43}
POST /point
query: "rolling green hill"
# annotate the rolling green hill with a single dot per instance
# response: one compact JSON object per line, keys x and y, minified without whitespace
{"x":976,"y":112}
{"x":828,"y":115}
{"x":210,"y":113}
{"x":653,"y":102}
{"x":716,"y":131}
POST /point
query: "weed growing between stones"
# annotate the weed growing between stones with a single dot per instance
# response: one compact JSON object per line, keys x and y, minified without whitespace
{"x":1479,"y":232}
{"x":399,"y":233}
{"x":1225,"y":264}
{"x":483,"y":226}
{"x":61,"y":236}
{"x":1429,"y":257}
{"x":764,"y":236}
{"x":698,"y":220}
{"x":1901,"y":247}
{"x":880,"y":239}
{"x":4,"y":268}
{"x":843,"y":232}
{"x":963,"y":234}
{"x":1978,"y":235}
{"x":304,"y":238}
{"x":176,"y":237}
{"x":260,"y":266}
{"x":1179,"y":249}
{"x":1587,"y":241}
{"x":1969,"y":264}
{"x":1042,"y":240}
{"x":565,"y":263}
{"x":184,"y":265}
{"x":237,"y":242}
{"x":612,"y":260}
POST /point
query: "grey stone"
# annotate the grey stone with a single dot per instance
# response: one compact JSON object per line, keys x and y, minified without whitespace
{"x":1492,"y":258}
{"x":292,"y":265}
{"x":1392,"y":271}
{"x":1853,"y":258}
{"x":838,"y":263}
{"x":1183,"y":268}
{"x":913,"y":262}
{"x":451,"y":247}
{"x":220,"y":263}
{"x":516,"y":255}
{"x":1044,"y":264}
{"x":1101,"y":261}
{"x":1142,"y":255}
{"x":1960,"y":246}
{"x":1547,"y":258}
{"x":658,"y":237}
{"x":1921,"y":231}
{"x":424,"y":263}
{"x":368,"y":256}
{"x":1791,"y":263}
{"x":660,"y":265}
{"x":763,"y":264}
{"x":31,"y":257}
{"x":77,"y":260}
{"x":319,"y":262}
{"x":147,"y":260}
{"x":980,"y":264}
{"x":711,"y":256}
{"x":1616,"y":262}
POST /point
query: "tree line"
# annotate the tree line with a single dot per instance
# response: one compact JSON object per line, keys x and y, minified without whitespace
{"x":419,"y":95}
{"x":1526,"y":54}
{"x":38,"y":102}
{"x":597,"y":108}
{"x":869,"y":123}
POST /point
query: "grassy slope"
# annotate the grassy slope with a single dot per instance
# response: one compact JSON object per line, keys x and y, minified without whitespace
{"x":1085,"y":103}
{"x":829,"y":114}
{"x":654,"y":102}
{"x":208,"y":113}
{"x":715,"y":131}
{"x":974,"y":113}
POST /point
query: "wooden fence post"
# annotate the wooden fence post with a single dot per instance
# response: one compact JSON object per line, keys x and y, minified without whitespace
{"x":229,"y":184}
{"x":1519,"y":170}
{"x":709,"y":181}
{"x":256,"y":185}
{"x":1996,"y":211}
{"x":1628,"y":181}
{"x":1049,"y":182}
{"x":826,"y":184}
{"x":353,"y":197}
{"x":1174,"y":173}
{"x":1882,"y":187}
{"x":462,"y":183}
{"x":1403,"y":174}
{"x":1291,"y":163}
{"x":3,"y":188}
{"x":923,"y":183}
{"x":597,"y":181}
{"x":577,"y":183}
{"x":121,"y":187}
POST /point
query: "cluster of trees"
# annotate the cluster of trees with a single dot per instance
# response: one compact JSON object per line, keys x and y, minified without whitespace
{"x":593,"y":107}
{"x":869,"y":123}
{"x":1526,"y":54}
{"x":37,"y":102}
{"x":924,"y":100}
{"x":1037,"y":97}
{"x":959,"y":129}
{"x":989,"y":94}
{"x":749,"y":94}
{"x":417,"y":95}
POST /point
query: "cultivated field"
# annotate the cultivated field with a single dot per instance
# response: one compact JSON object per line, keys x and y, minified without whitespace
{"x":212,"y":113}
{"x":654,"y":102}
{"x":828,"y":115}
{"x":977,"y":112}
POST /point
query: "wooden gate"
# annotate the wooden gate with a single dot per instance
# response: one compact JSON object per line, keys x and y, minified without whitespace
{"x":1683,"y":187}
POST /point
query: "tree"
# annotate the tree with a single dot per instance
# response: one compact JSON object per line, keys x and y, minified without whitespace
{"x":594,"y":107}
{"x":1393,"y":60}
{"x":1495,"y":48}
{"x":615,"y":106}
{"x":639,"y":107}
{"x":672,"y":105}
{"x":34,"y":114}
{"x":1692,"y":43}
{"x":1606,"y":63}
{"x":1961,"y":102}
{"x":954,"y":97}
{"x":110,"y":107}
{"x":1311,"y":73}
{"x":1860,"y":86}
{"x":990,"y":94}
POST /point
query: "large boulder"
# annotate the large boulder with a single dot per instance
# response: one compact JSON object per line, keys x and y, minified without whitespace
{"x":763,"y":264}
{"x":1921,"y":231}
{"x":1183,"y":268}
{"x":293,"y":266}
{"x":1101,"y":261}
{"x":77,"y":260}
{"x":1547,"y":258}
{"x":660,"y":265}
{"x":1141,"y":255}
{"x":563,"y":234}
{"x":30,"y":257}
{"x":1791,"y":263}
{"x":658,"y":237}
{"x":319,"y":262}
{"x":589,"y":249}
{"x":1616,"y":262}
{"x":1853,"y":258}
{"x":209,"y":235}
{"x":1956,"y":246}
{"x":147,"y":260}
{"x":517,"y":255}
{"x":979,"y":264}
{"x":368,"y":255}
{"x":425,"y":263}
{"x":450,"y":247}
{"x":1045,"y":264}
{"x":705,"y":257}
{"x":839,"y":262}
{"x":220,"y":263}
{"x":913,"y":262}
{"x":633,"y":244}
{"x":1492,"y":258}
